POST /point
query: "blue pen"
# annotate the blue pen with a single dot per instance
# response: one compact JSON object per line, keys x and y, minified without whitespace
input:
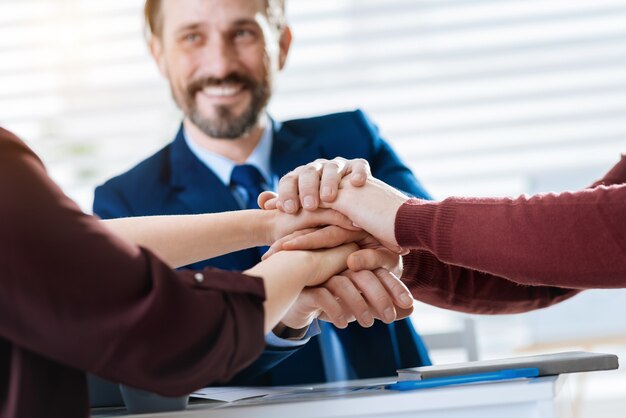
{"x":464,"y":378}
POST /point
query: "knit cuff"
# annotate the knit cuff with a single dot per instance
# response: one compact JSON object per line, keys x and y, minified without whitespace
{"x":422,"y":224}
{"x":421,"y":271}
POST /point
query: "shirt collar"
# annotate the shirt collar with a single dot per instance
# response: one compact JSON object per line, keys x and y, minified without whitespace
{"x":223,"y":167}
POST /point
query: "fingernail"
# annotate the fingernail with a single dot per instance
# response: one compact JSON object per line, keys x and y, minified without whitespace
{"x":357,"y":177}
{"x":343,"y":321}
{"x":406,"y":299}
{"x":290,"y":206}
{"x":389,"y":315}
{"x":367,"y":319}
{"x":309,"y":202}
{"x":325,"y":191}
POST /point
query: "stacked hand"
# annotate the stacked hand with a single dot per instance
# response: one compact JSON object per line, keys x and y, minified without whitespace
{"x":370,"y":289}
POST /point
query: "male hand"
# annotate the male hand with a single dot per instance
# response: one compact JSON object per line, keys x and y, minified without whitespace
{"x":309,"y":185}
{"x":371,"y":205}
{"x":362,"y":296}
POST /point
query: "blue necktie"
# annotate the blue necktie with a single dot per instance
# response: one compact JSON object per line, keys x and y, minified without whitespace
{"x":249,"y":178}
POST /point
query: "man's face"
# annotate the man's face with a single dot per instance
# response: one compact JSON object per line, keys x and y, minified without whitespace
{"x":220,"y":58}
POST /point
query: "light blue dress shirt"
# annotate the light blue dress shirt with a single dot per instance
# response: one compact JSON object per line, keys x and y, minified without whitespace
{"x":335,"y":367}
{"x":223,"y":168}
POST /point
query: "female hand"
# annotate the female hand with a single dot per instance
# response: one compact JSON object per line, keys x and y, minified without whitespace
{"x":277,"y":224}
{"x":363,"y":294}
{"x":372,"y":207}
{"x":352,"y":296}
{"x":288,"y":272}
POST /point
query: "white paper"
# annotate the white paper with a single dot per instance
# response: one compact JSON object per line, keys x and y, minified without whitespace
{"x":236,"y":393}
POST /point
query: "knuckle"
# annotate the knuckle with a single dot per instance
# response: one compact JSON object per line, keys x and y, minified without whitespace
{"x":309,"y":169}
{"x":334,"y":165}
{"x":344,"y":285}
{"x":364,"y":277}
{"x":395,"y":287}
{"x":362,"y":310}
{"x":383,"y":300}
{"x":333,"y":310}
{"x":288,"y":179}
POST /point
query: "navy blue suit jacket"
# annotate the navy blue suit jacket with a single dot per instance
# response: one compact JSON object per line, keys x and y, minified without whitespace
{"x":175,"y":181}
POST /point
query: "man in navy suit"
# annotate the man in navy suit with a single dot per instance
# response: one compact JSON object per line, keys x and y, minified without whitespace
{"x":220,"y":58}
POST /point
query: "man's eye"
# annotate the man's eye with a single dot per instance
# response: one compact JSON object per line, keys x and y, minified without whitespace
{"x":191,"y":38}
{"x":244,"y":33}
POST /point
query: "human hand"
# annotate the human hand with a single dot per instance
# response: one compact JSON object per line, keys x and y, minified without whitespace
{"x":309,"y":185}
{"x":329,"y":237}
{"x":372,"y":207}
{"x":333,"y":236}
{"x":374,"y":293}
{"x":316,"y":238}
{"x":277,"y":224}
{"x":362,"y":296}
{"x":285,"y":275}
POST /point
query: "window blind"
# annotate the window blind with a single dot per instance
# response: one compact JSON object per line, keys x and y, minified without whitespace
{"x":478,"y":96}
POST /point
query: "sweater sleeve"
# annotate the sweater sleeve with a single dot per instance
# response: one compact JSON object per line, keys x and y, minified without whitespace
{"x":572,"y":240}
{"x":75,"y":294}
{"x":462,"y":289}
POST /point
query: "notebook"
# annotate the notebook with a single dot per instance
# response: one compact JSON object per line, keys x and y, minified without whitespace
{"x":548,"y":364}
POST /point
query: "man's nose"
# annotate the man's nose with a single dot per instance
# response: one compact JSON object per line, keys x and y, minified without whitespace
{"x":219,"y":57}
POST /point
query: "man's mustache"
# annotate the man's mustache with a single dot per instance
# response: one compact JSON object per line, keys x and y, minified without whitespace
{"x":234,"y":78}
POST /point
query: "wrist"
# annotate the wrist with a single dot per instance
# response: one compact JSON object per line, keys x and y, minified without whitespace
{"x":323,"y":264}
{"x":390,"y":219}
{"x":312,"y":259}
{"x":263,"y":226}
{"x":297,"y":263}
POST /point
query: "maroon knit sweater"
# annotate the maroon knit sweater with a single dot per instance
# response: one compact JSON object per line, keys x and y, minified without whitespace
{"x":504,"y":255}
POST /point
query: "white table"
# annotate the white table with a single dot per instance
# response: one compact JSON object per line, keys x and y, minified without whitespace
{"x":546,"y":397}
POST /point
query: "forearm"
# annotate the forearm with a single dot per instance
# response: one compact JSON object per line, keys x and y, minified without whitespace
{"x":461,"y":289}
{"x":286,"y":273}
{"x":284,"y":276}
{"x":573,"y":240}
{"x":185,"y":239}
{"x":81,"y":296}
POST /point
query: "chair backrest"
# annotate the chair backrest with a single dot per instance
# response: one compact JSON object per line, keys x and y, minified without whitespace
{"x":461,"y":339}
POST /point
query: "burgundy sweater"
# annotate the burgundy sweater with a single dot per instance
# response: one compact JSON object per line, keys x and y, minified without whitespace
{"x":503,"y":255}
{"x":75,"y":298}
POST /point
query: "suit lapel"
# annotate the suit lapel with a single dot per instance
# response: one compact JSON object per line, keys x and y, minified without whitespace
{"x":195,"y":185}
{"x":198,"y":189}
{"x":291,"y":150}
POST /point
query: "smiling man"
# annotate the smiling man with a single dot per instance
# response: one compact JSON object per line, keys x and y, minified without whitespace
{"x":221,"y":58}
{"x":220,"y":62}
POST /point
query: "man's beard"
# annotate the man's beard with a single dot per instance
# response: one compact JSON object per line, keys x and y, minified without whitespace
{"x":225,"y":125}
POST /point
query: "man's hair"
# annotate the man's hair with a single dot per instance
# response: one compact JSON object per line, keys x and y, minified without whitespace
{"x":154,"y":21}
